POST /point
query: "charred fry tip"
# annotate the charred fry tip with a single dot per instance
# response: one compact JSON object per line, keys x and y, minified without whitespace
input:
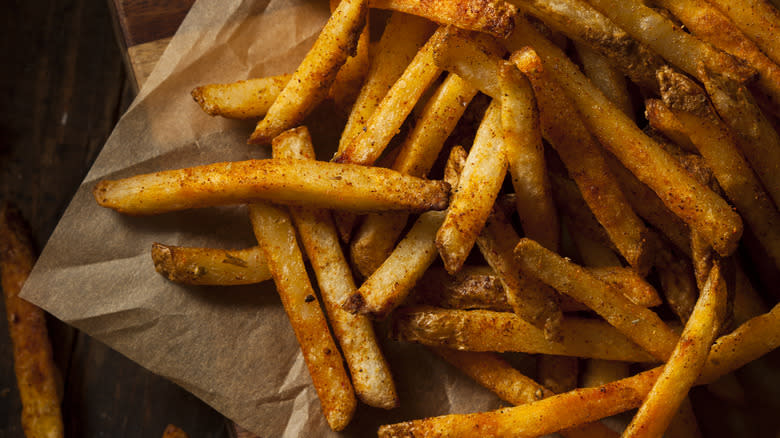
{"x":162,"y":257}
{"x":355,"y":303}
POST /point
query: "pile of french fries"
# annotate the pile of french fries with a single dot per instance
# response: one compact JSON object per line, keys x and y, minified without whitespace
{"x":610,"y":214}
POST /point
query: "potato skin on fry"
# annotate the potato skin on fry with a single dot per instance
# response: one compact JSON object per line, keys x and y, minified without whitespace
{"x":294,"y":182}
{"x":33,"y":362}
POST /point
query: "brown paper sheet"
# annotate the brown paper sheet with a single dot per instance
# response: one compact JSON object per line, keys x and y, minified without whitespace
{"x":232,"y":347}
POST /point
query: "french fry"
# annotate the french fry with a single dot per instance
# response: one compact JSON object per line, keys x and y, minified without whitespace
{"x":370,"y":373}
{"x":638,"y":323}
{"x":598,"y":372}
{"x":497,"y":375}
{"x":606,"y":78}
{"x":36,"y":374}
{"x":525,"y":158}
{"x":276,"y":235}
{"x":294,"y":182}
{"x":311,"y":81}
{"x":750,"y":341}
{"x":570,"y":203}
{"x":691,"y":201}
{"x":489,"y":16}
{"x":210,"y":266}
{"x":559,"y":373}
{"x":678,"y":281}
{"x":592,"y":252}
{"x":240,"y":100}
{"x":477,"y":190}
{"x":629,"y":284}
{"x":565,"y":130}
{"x":403,"y":36}
{"x":685,"y":363}
{"x":366,"y":147}
{"x":374,"y":240}
{"x":172,"y":431}
{"x":530,"y":299}
{"x":759,"y":20}
{"x":704,"y":20}
{"x":349,"y":80}
{"x":581,"y":22}
{"x":473,"y":287}
{"x":721,"y":152}
{"x":483,"y":330}
{"x":389,"y":285}
{"x":678,"y":47}
{"x":460,"y":53}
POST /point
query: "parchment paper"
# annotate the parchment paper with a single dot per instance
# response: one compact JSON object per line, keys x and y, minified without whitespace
{"x":231,"y":347}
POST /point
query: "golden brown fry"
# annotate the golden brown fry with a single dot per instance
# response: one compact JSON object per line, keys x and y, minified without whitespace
{"x":210,"y":266}
{"x":678,"y":47}
{"x":606,"y":77}
{"x":36,"y":375}
{"x":530,"y":299}
{"x":629,"y":283}
{"x":525,"y":157}
{"x":369,"y":143}
{"x":403,"y":36}
{"x":704,"y":20}
{"x":294,"y":182}
{"x":473,"y":287}
{"x":475,"y":61}
{"x":377,"y":235}
{"x":311,"y":81}
{"x":477,"y":190}
{"x":758,"y":19}
{"x":172,"y":431}
{"x":581,"y":22}
{"x":641,"y":325}
{"x":349,"y":80}
{"x":370,"y":373}
{"x":691,"y":201}
{"x":482,"y":330}
{"x":750,"y":341}
{"x":564,"y":128}
{"x":685,"y":363}
{"x":276,"y":235}
{"x":720,"y":150}
{"x":598,"y":372}
{"x":495,"y":374}
{"x":240,"y":100}
{"x":490,"y":16}
{"x":389,"y":285}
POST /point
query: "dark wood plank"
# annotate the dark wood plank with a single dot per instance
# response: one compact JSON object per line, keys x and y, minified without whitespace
{"x":144,"y":21}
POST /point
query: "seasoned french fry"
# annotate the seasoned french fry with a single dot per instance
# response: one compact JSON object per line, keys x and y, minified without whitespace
{"x":678,"y":47}
{"x":36,"y":374}
{"x":369,"y":143}
{"x":377,"y":235}
{"x":370,"y":373}
{"x":312,"y":79}
{"x":598,"y":372}
{"x":210,"y":266}
{"x":565,"y":130}
{"x":758,"y":19}
{"x":473,"y":287}
{"x":525,"y":157}
{"x":489,"y":16}
{"x":581,"y":22}
{"x":750,"y":341}
{"x":638,"y":323}
{"x":704,"y":20}
{"x":530,"y":299}
{"x":459,"y":53}
{"x":477,"y":190}
{"x":349,"y":80}
{"x":403,"y":36}
{"x":276,"y":235}
{"x":592,"y":252}
{"x":691,"y":201}
{"x":607,"y":78}
{"x":240,"y":100}
{"x":497,"y":375}
{"x":172,"y":431}
{"x":294,"y":182}
{"x":389,"y":285}
{"x":482,"y":330}
{"x":569,"y":201}
{"x":559,"y":373}
{"x":685,"y":363}
{"x":629,"y":284}
{"x":721,"y":152}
